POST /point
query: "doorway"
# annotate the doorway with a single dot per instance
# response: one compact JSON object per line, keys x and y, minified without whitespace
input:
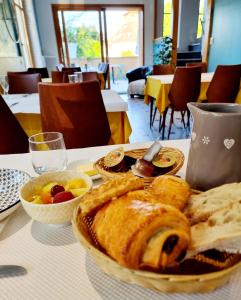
{"x":90,"y":34}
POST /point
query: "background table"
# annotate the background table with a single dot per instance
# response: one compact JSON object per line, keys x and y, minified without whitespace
{"x":27,"y":110}
{"x":59,"y":267}
{"x":158,"y":87}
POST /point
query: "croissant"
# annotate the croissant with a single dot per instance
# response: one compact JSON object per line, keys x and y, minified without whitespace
{"x":140,"y":234}
{"x":171,"y":190}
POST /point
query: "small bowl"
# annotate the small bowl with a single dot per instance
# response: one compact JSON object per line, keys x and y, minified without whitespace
{"x":58,"y":213}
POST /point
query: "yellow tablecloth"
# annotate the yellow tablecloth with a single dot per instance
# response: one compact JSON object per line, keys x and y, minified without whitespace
{"x":119,"y":125}
{"x":158,"y":89}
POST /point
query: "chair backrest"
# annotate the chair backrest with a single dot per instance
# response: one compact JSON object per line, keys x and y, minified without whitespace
{"x":203,"y":66}
{"x":13,"y":137}
{"x":104,"y":68}
{"x":163,"y":69}
{"x":71,"y":69}
{"x":77,"y":110}
{"x":225,"y":84}
{"x":42,"y":71}
{"x":23,"y":83}
{"x":185,"y":87}
{"x":61,"y":76}
{"x":90,"y":76}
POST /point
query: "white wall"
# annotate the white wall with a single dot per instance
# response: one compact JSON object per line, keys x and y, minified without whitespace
{"x":45,"y":24}
{"x":188,"y":20}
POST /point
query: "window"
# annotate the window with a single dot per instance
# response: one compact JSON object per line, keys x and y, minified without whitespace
{"x":200,"y":19}
{"x":167,"y":18}
{"x":8,"y":31}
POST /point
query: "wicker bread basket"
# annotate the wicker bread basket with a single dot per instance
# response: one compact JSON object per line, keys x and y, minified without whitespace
{"x":138,"y":153}
{"x":161,"y":282}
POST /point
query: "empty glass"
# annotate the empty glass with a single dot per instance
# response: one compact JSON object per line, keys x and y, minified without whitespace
{"x":48,"y":152}
{"x":73,"y":78}
{"x":79,"y":75}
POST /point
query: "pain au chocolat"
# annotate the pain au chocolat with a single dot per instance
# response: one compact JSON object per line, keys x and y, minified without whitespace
{"x":140,"y":234}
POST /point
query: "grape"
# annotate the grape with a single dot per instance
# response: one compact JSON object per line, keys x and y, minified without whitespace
{"x":62,"y":197}
{"x":56,"y":189}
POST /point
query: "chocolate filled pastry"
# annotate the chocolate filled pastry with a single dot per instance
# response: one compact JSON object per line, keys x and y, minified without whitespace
{"x":171,"y":190}
{"x":142,"y":235}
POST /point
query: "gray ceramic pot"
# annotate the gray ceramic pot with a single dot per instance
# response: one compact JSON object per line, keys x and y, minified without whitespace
{"x":215,"y":152}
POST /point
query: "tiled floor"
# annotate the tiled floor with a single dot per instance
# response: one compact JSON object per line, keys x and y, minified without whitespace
{"x":139,"y":114}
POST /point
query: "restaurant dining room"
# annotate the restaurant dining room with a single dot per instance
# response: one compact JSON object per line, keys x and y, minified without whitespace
{"x":120,"y":149}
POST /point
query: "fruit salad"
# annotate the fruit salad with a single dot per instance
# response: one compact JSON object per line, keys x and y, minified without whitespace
{"x":55,"y":192}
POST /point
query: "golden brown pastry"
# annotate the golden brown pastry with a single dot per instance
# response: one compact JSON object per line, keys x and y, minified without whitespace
{"x":171,"y":190}
{"x":140,"y":234}
{"x":115,"y":187}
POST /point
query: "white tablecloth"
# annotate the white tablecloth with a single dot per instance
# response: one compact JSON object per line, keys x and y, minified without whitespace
{"x":59,"y":267}
{"x":29,"y":103}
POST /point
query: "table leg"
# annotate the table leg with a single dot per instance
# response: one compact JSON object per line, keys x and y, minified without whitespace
{"x":113,"y":74}
{"x":151,"y":109}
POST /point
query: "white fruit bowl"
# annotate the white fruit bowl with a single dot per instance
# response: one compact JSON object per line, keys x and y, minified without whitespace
{"x":57,"y":213}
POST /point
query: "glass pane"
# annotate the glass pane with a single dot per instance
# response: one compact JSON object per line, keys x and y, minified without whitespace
{"x":83,"y":36}
{"x":167,"y":6}
{"x":167,"y":25}
{"x":8,"y":34}
{"x":124,"y":32}
{"x":200,"y":18}
{"x":167,"y":18}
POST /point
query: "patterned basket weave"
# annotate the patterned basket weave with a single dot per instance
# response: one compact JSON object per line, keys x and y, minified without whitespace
{"x":172,"y":283}
{"x":139,"y":153}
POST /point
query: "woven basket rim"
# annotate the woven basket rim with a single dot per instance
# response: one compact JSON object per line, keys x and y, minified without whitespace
{"x":177,"y":166}
{"x":147,"y":274}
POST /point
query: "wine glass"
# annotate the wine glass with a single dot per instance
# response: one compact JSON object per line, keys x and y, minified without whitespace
{"x":79,"y":75}
{"x":48,"y":152}
{"x":73,"y":78}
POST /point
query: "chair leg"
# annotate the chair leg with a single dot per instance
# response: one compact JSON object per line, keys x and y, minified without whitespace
{"x":188,"y":119}
{"x":171,"y":122}
{"x":183,"y":121}
{"x":162,"y":127}
{"x":153,"y":119}
{"x":151,"y":111}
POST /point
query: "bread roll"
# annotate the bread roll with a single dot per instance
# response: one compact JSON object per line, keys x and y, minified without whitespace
{"x":222,"y":231}
{"x":171,"y":190}
{"x":139,"y":234}
{"x":201,"y":207}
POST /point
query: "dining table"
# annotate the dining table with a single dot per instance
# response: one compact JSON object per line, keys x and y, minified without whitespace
{"x":58,"y":266}
{"x":158,"y":87}
{"x":26,"y":108}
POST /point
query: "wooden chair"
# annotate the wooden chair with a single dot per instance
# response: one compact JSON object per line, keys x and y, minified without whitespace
{"x":225,"y":84}
{"x":23,"y":83}
{"x":90,"y":76}
{"x":77,"y":110}
{"x":104,"y":68}
{"x":42,"y":71}
{"x":13,"y":137}
{"x":163,"y":69}
{"x":71,"y":69}
{"x":203,"y":66}
{"x":159,"y":70}
{"x":185,"y":88}
{"x":61,"y":76}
